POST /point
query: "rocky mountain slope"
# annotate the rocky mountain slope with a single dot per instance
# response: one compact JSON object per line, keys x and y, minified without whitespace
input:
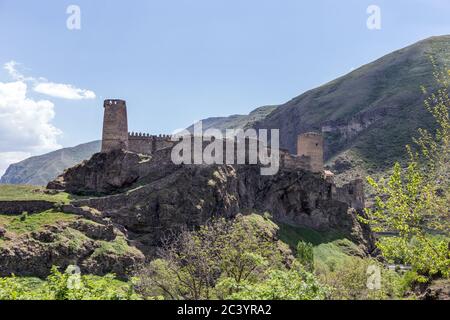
{"x":236,"y":121}
{"x":370,"y":114}
{"x":40,"y":170}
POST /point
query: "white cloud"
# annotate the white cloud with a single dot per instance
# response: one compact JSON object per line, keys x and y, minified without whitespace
{"x":43,"y":86}
{"x":11,"y":67}
{"x":26,"y":127}
{"x":65,"y":91}
{"x":25,"y":124}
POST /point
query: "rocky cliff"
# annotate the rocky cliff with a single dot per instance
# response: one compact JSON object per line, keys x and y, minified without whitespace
{"x":149,"y":196}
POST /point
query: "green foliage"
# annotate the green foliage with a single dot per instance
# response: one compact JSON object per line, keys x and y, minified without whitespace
{"x":428,"y":255}
{"x":66,"y":286}
{"x":329,"y":248}
{"x":349,"y":282}
{"x":305,"y":255}
{"x":118,"y":246}
{"x":414,"y":202}
{"x":23,"y":216}
{"x":278,"y":284}
{"x":224,"y":259}
{"x":34,"y":222}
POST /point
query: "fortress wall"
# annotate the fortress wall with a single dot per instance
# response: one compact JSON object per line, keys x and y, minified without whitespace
{"x":147,"y":144}
{"x":294,"y":162}
{"x":30,"y":206}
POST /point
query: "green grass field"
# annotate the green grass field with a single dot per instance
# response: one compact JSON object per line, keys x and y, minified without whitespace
{"x":23,"y":193}
{"x":330,"y":248}
{"x":33,"y":222}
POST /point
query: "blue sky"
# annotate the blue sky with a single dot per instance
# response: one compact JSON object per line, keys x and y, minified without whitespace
{"x":179,"y":61}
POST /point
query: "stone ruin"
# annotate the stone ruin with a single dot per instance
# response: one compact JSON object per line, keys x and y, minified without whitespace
{"x":116,"y":137}
{"x":309,"y":157}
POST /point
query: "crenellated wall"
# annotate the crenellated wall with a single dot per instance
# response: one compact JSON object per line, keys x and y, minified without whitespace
{"x":147,"y":144}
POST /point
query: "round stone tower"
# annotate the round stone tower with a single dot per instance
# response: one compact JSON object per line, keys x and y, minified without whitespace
{"x":115,"y":126}
{"x":311,"y":145}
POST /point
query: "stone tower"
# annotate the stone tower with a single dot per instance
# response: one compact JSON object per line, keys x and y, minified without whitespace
{"x":115,"y":125}
{"x":311,"y":145}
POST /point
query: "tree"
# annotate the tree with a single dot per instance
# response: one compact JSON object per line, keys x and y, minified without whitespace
{"x":414,"y":202}
{"x":223,"y":259}
{"x":289,"y":284}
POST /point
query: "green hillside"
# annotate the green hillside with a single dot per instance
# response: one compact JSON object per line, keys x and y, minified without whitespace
{"x":370,"y":114}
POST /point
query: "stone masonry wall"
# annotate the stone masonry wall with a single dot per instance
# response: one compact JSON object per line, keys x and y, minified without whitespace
{"x":18,"y":207}
{"x":146,"y":144}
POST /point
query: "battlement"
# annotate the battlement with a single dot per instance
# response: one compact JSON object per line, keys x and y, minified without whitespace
{"x":140,"y":135}
{"x":114,"y":102}
{"x":146,"y":143}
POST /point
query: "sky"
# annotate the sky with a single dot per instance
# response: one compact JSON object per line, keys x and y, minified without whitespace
{"x":179,"y":61}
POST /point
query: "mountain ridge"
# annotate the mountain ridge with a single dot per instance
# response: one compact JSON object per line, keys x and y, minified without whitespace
{"x":39,"y":170}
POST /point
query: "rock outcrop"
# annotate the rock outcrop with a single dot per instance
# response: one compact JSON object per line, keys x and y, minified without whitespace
{"x":150,"y":196}
{"x":96,"y":248}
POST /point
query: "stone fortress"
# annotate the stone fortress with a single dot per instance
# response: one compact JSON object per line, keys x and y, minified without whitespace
{"x":309,"y":157}
{"x":116,"y":136}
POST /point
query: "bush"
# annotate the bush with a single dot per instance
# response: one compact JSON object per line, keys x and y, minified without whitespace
{"x":24,"y":216}
{"x":352,"y":281}
{"x":305,"y":255}
{"x":237,"y":259}
{"x":66,"y":286}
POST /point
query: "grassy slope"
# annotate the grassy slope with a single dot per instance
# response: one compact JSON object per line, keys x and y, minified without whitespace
{"x":21,"y":193}
{"x":330,"y":249}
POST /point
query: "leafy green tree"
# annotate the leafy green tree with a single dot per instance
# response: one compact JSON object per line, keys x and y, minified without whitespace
{"x":415,"y":202}
{"x":224,"y":259}
{"x":278,"y":284}
{"x":349,"y":281}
